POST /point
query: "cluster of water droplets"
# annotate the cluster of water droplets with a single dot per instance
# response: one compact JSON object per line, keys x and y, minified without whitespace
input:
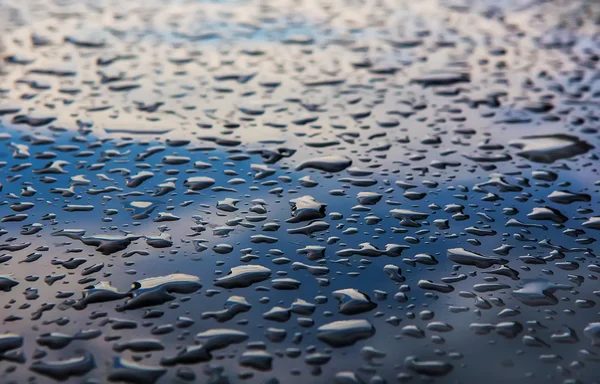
{"x":340,"y":191}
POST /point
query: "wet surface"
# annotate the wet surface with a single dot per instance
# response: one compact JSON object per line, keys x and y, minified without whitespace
{"x":340,"y":191}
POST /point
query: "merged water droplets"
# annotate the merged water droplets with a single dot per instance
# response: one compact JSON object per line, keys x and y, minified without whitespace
{"x":293,"y":192}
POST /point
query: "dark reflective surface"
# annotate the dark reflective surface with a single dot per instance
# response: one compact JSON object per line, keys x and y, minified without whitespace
{"x":349,"y":192}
